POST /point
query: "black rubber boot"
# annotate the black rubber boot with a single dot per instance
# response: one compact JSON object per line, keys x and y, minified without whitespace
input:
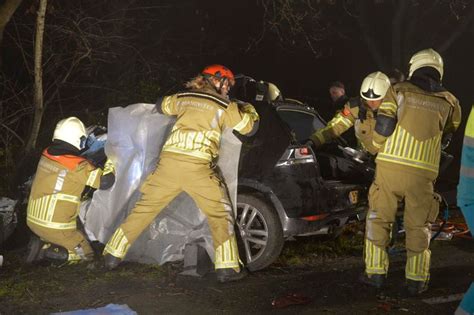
{"x":56,"y":253}
{"x":374,"y":280}
{"x":415,"y":288}
{"x":229,"y":274}
{"x":111,"y":262}
{"x":35,"y":250}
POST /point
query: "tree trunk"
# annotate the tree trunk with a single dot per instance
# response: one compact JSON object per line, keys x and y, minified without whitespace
{"x":38,"y":86}
{"x":397,"y":29}
{"x":6,"y":12}
{"x":368,"y":38}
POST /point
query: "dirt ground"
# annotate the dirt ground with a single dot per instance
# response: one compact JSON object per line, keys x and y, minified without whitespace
{"x":325,"y":272}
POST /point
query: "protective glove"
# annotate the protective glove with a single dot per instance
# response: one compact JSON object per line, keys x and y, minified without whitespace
{"x":87,"y":193}
{"x":249,"y":109}
{"x":313,"y":142}
{"x":97,"y":158}
{"x":107,"y":181}
{"x":446,"y":140}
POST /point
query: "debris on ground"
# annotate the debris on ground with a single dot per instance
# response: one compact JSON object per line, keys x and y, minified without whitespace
{"x":7,"y":211}
{"x":444,"y":299}
{"x":110,"y":309}
{"x":8,"y":218}
{"x":445,"y":231}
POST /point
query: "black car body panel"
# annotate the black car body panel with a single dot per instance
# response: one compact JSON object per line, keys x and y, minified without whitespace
{"x":289,"y":175}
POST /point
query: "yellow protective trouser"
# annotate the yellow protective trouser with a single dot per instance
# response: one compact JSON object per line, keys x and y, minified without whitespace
{"x":68,"y":239}
{"x":421,"y":209}
{"x":176,"y":173}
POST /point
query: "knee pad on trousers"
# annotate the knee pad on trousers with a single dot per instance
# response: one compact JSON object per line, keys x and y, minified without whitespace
{"x":378,"y":232}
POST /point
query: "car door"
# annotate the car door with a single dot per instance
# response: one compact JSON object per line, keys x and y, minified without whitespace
{"x":302,"y":121}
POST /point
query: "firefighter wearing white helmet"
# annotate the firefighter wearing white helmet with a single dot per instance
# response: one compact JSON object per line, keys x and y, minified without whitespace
{"x":72,"y":131}
{"x":426,"y":58}
{"x":413,"y":121}
{"x":53,"y":205}
{"x":360,"y":112}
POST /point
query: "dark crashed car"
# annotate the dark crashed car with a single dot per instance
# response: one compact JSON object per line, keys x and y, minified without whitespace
{"x":287,"y":189}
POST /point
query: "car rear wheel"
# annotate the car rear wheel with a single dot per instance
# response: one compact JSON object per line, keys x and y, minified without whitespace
{"x":259,"y":233}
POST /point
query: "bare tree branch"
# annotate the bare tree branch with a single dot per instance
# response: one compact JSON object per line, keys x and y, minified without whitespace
{"x":465,"y":22}
{"x":13,"y":133}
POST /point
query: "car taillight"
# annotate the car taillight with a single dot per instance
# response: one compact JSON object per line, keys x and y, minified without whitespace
{"x":296,"y":155}
{"x":304,"y":151}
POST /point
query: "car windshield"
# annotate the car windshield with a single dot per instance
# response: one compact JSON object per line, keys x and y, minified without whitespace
{"x":301,"y":122}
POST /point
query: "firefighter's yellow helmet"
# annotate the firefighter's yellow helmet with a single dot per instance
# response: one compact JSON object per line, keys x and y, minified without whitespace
{"x":426,"y":58}
{"x":375,"y":86}
{"x":72,"y":131}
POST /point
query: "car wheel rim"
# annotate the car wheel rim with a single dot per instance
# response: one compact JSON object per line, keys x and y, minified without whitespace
{"x":253,"y":231}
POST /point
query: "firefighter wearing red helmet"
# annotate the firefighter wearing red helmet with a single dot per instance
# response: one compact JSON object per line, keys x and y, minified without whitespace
{"x":219,"y":72}
{"x":187,"y":163}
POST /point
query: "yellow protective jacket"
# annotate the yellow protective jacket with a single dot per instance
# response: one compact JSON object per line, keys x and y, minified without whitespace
{"x":202,"y":116}
{"x":56,"y":191}
{"x":421,"y":117}
{"x":355,"y":113}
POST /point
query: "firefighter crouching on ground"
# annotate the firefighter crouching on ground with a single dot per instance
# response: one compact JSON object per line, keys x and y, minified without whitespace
{"x":53,"y":205}
{"x":359,"y":112}
{"x":187,"y":163}
{"x":413,"y":123}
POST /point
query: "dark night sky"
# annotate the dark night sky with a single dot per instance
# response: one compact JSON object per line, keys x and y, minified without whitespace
{"x":206,"y":32}
{"x":300,"y":75}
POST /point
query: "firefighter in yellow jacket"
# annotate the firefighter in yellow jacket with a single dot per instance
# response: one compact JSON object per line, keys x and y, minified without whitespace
{"x":187,"y":164}
{"x":359,"y":113}
{"x":414,"y":122}
{"x":53,"y":205}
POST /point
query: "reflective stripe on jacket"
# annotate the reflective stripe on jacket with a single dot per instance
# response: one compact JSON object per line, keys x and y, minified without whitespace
{"x":57,"y":188}
{"x":202,"y":116}
{"x":422,"y":118}
{"x":41,"y":211}
{"x":354,"y":114}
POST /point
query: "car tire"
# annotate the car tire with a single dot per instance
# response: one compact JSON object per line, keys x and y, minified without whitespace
{"x":259,"y":232}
